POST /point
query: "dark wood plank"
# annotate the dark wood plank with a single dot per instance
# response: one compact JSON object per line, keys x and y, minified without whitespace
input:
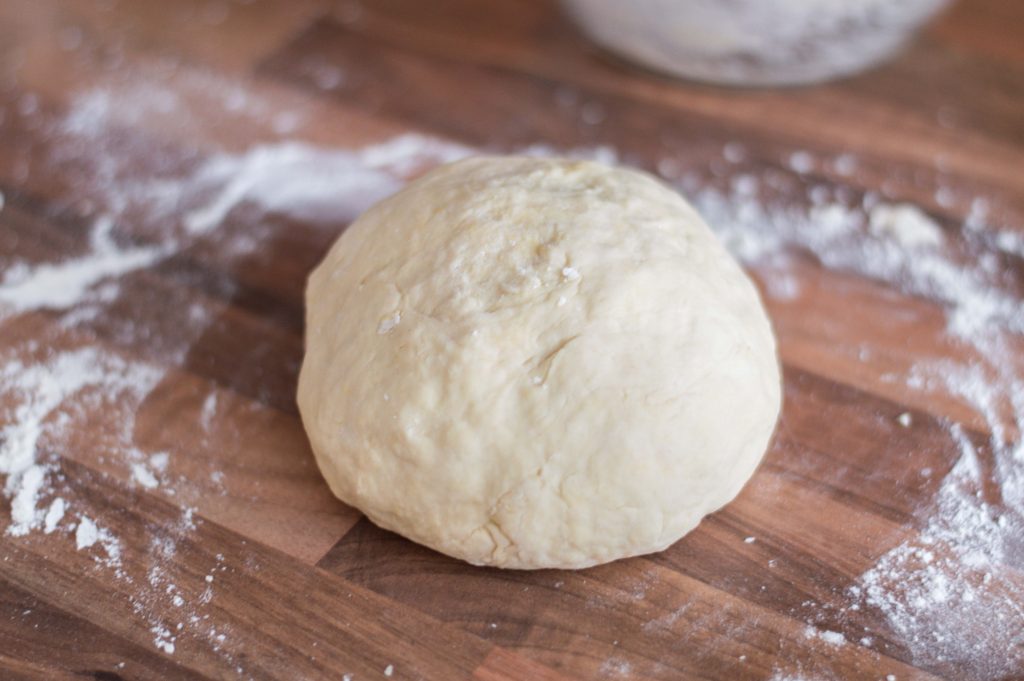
{"x":42,"y":641}
{"x":988,"y":27}
{"x":632,"y":619}
{"x":279,"y":617}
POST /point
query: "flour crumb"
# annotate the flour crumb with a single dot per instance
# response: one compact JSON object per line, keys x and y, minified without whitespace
{"x":164,"y":641}
{"x":54,"y":515}
{"x":187,"y":522}
{"x":159,"y":461}
{"x":734,"y":152}
{"x":833,"y":638}
{"x":905,"y":223}
{"x":209,"y":410}
{"x":24,"y":513}
{"x":801,"y":162}
{"x":86,"y":534}
{"x":905,"y":419}
{"x":388,"y":324}
{"x":144,"y":476}
{"x":944,"y":197}
{"x":616,"y":667}
{"x":389,"y":670}
{"x":750,"y":540}
{"x":846,"y":164}
{"x":669,"y":168}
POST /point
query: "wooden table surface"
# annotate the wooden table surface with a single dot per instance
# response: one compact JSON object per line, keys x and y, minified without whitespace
{"x":219,"y":551}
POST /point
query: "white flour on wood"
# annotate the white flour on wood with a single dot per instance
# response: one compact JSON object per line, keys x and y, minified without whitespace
{"x":948,"y":594}
{"x":142,"y":221}
{"x":944,"y":593}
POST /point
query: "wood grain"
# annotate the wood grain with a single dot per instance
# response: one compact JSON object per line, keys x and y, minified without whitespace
{"x":304,"y":587}
{"x":656,"y":622}
{"x":281,"y":618}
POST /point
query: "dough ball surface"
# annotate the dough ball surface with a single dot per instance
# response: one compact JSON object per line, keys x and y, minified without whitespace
{"x":534,"y":363}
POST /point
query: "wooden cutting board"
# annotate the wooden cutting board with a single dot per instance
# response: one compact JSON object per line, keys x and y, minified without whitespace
{"x":184,"y":450}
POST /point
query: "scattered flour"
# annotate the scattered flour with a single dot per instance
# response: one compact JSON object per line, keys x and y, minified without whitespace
{"x":616,"y":668}
{"x":833,"y":638}
{"x":158,"y":461}
{"x":34,"y":393}
{"x":801,"y":162}
{"x":144,"y":476}
{"x":306,"y":182}
{"x":169,"y":210}
{"x":209,"y":411}
{"x":86,"y":535}
{"x":944,"y":593}
{"x":906,"y":223}
{"x":947,"y":594}
{"x":163,"y":640}
{"x":53,"y":515}
{"x":63,"y":284}
{"x":845,"y":164}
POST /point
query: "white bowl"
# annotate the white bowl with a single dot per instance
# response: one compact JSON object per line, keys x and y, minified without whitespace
{"x":754,"y":42}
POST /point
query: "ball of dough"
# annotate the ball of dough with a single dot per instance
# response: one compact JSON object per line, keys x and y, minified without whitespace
{"x":536,"y":363}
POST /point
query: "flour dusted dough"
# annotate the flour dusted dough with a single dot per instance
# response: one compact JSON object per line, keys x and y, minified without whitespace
{"x":536,"y":363}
